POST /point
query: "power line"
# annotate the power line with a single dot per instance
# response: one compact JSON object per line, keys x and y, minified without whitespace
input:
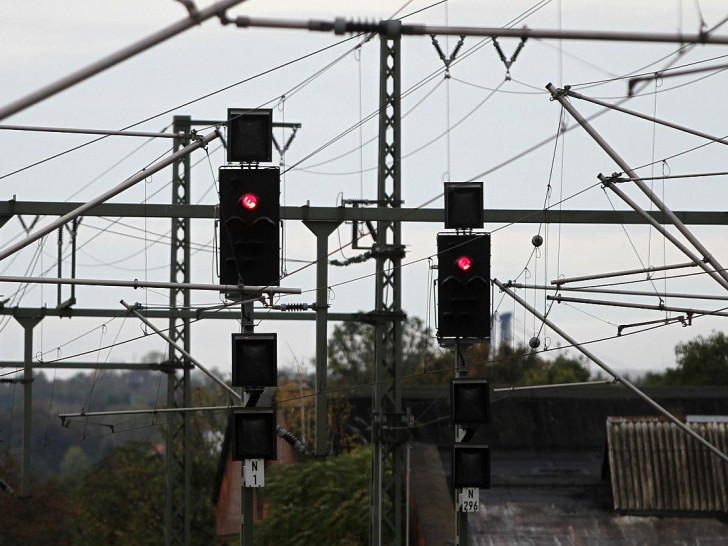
{"x":180,"y":106}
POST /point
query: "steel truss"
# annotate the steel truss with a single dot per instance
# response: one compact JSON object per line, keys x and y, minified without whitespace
{"x":387,"y":317}
{"x":179,"y":468}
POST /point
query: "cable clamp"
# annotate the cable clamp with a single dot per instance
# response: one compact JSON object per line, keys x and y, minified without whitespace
{"x":340,"y":26}
{"x":219,"y":134}
{"x":609,"y":180}
{"x":391,"y":29}
{"x":192,"y":10}
{"x":703,"y":34}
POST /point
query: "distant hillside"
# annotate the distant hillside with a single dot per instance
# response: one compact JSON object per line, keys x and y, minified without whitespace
{"x":90,"y":438}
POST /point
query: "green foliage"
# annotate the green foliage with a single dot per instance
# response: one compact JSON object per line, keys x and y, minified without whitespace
{"x":36,"y":521}
{"x":701,"y":361}
{"x":74,"y":461}
{"x":121,"y":499}
{"x":351,"y":354}
{"x":112,"y":390}
{"x":92,"y":486}
{"x":522,"y":366}
{"x":560,"y":370}
{"x":317,"y":502}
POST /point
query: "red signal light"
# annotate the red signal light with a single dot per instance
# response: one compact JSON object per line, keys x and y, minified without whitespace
{"x":249,"y":201}
{"x":464,"y":263}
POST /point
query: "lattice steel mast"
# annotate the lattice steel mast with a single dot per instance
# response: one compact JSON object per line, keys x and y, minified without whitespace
{"x":387,"y":452}
{"x":177,"y":511}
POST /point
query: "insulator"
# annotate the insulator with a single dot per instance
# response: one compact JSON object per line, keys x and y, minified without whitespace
{"x":457,"y":49}
{"x":291,"y":439}
{"x":294,"y":306}
{"x":518,"y":51}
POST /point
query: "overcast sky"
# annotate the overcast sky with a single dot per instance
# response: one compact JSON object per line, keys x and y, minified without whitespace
{"x":468,"y":127}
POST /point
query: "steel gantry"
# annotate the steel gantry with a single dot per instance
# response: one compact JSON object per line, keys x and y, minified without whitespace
{"x":387,"y":317}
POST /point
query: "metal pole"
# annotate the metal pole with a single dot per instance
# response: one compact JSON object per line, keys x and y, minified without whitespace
{"x":707,"y":256}
{"x":361,"y":214}
{"x":715,"y":275}
{"x":559,"y":282}
{"x":461,"y":518}
{"x":28,"y":323}
{"x":60,"y":265}
{"x":154,"y":284}
{"x":247,"y":494}
{"x":387,"y":448}
{"x":341,"y":26}
{"x":128,"y":183}
{"x":674,"y":74}
{"x":589,"y":290}
{"x":720,"y":140}
{"x":71,"y":130}
{"x":407,"y":497}
{"x":682,"y":426}
{"x":321,"y":230}
{"x":717,"y":313}
{"x":192,"y":359}
{"x":195,"y":18}
{"x":179,"y":389}
{"x":154,"y":411}
{"x":555,"y":386}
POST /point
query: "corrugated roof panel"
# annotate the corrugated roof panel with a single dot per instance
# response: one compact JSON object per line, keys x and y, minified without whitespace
{"x":655,"y":467}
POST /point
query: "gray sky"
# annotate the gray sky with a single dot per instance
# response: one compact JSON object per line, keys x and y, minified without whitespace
{"x":453,"y":129}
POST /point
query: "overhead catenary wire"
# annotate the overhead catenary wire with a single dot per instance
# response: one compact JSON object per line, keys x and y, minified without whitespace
{"x":708,"y":258}
{"x":308,"y":264}
{"x":408,"y":376}
{"x":129,"y":182}
{"x":366,"y":276}
{"x":682,"y":426}
{"x":217,"y":9}
{"x":154,"y":411}
{"x":435,"y":74}
{"x":182,"y":351}
{"x":179,"y":106}
{"x":653,"y":119}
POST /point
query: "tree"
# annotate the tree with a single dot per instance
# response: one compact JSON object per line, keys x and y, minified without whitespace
{"x":35,"y":521}
{"x":121,"y":499}
{"x":318,"y":502}
{"x":74,"y":461}
{"x":522,"y":366}
{"x":351,"y":354}
{"x":701,"y":361}
{"x":561,"y":370}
